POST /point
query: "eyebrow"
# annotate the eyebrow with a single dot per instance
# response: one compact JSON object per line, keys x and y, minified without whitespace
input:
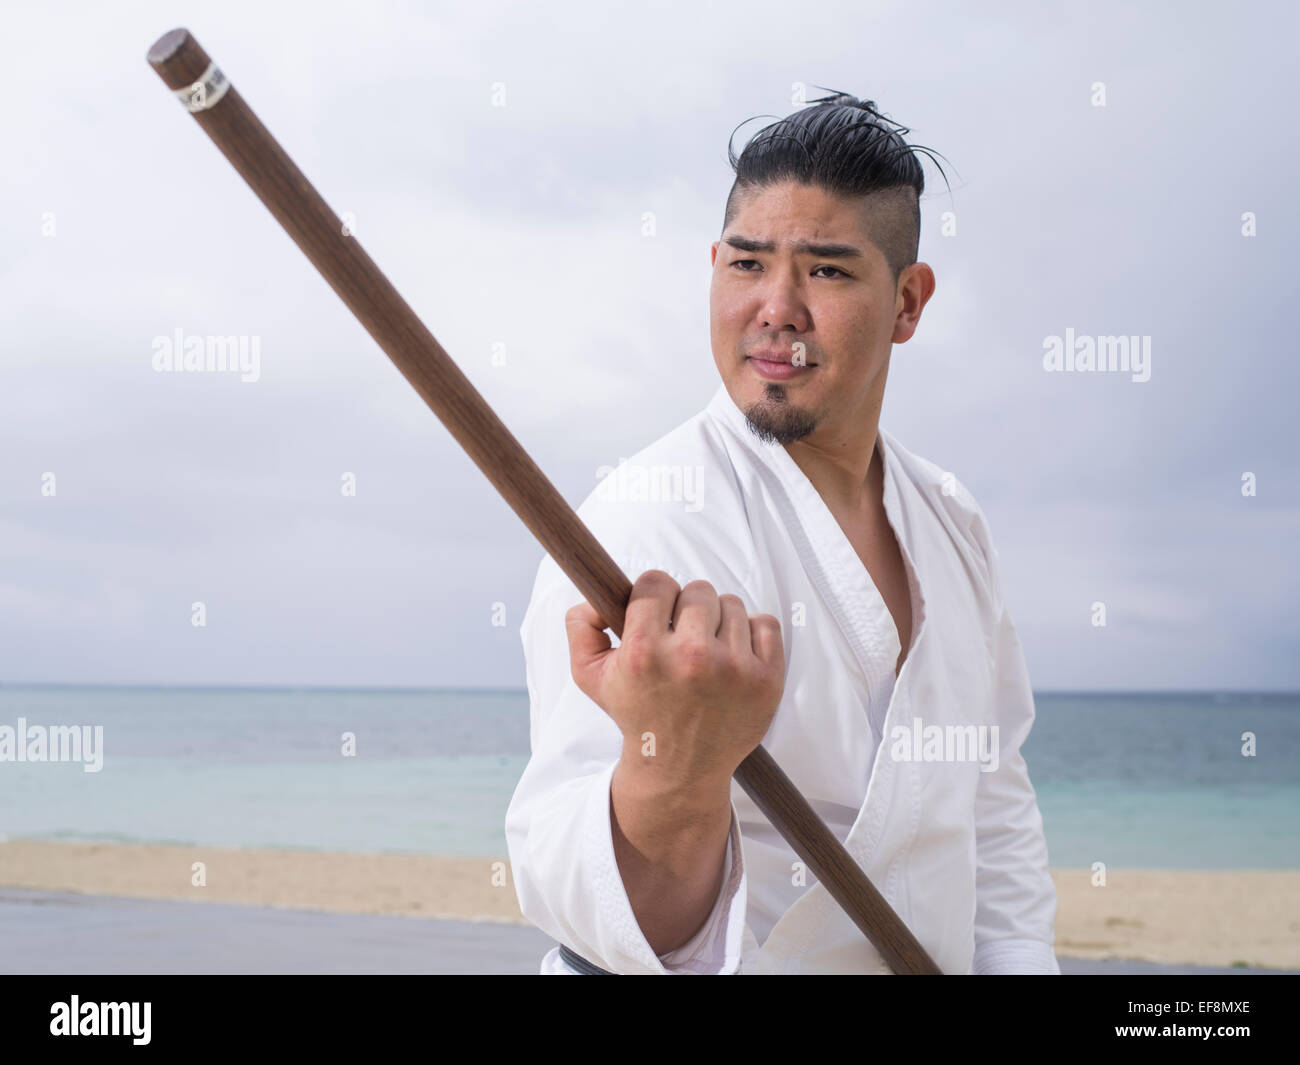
{"x":803,"y":247}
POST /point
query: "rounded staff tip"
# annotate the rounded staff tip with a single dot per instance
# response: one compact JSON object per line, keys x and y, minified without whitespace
{"x":179,"y":59}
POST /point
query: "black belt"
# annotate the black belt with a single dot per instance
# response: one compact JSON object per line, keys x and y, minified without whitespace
{"x":577,"y":961}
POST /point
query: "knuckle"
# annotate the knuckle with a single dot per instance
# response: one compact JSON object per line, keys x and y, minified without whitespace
{"x":638,"y":651}
{"x":730,"y":599}
{"x":732,"y":672}
{"x":695,"y":660}
{"x":701,"y":586}
{"x":655,"y":579}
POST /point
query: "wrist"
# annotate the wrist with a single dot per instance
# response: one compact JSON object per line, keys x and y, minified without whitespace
{"x":650,"y":779}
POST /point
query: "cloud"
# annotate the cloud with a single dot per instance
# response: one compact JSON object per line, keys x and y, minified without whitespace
{"x":516,"y":233}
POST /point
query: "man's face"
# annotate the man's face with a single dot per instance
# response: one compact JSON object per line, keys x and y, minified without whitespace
{"x":831,"y":305}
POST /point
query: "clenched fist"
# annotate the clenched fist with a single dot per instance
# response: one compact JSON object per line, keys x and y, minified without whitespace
{"x":692,"y":669}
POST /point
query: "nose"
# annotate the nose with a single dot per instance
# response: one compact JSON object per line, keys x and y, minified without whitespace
{"x":782,"y":306}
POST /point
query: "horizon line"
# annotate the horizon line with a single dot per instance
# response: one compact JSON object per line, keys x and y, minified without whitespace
{"x":411,"y":689}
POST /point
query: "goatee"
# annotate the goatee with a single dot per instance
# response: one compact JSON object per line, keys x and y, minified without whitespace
{"x":776,"y":421}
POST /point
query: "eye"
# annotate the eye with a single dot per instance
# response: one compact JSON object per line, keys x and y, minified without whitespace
{"x":744,"y":265}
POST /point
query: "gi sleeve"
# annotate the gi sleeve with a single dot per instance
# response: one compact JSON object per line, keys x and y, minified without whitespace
{"x":1015,"y":897}
{"x":558,"y":826}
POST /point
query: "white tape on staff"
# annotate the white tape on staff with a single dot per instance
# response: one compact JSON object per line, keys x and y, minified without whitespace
{"x":205,"y":92}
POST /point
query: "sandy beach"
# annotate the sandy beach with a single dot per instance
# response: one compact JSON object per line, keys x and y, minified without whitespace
{"x":389,"y":884}
{"x":1219,"y":918}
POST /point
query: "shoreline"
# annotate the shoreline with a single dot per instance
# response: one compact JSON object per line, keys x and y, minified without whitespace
{"x":1223,"y":918}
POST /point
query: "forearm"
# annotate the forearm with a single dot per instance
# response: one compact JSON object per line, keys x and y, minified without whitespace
{"x":670,"y":843}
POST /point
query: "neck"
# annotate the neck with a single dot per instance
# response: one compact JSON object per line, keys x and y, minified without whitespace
{"x":849,"y":478}
{"x":841,"y":461}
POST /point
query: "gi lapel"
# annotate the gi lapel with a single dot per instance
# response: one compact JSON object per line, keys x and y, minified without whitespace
{"x":839,"y":575}
{"x":864,"y":618}
{"x":841,"y":579}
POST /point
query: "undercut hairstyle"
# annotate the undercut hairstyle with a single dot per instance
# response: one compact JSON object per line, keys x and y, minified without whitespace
{"x":847,"y":147}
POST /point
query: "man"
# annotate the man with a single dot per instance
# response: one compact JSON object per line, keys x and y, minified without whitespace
{"x":807,"y":582}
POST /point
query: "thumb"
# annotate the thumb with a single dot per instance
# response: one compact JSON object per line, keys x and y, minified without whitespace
{"x":589,"y":646}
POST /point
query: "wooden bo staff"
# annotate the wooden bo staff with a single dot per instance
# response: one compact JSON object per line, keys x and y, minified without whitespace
{"x":224,"y":116}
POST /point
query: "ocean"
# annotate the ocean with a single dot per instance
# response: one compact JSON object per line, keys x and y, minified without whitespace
{"x":1132,"y":780}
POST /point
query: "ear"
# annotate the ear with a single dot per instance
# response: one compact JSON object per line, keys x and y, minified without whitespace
{"x":916,"y":285}
{"x":713,"y":255}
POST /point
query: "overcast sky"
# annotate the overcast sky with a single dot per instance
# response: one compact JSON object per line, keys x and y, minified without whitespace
{"x":521,"y":225}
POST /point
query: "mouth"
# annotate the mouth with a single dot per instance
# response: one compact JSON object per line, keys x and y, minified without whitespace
{"x":778,"y":367}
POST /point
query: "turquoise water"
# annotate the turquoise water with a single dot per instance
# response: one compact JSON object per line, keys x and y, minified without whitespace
{"x":1155,"y":781}
{"x":1160,"y":781}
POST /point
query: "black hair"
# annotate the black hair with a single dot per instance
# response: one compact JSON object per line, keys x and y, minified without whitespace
{"x":845,"y":146}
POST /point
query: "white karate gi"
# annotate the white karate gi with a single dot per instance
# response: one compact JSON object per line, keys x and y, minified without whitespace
{"x":958,"y":852}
